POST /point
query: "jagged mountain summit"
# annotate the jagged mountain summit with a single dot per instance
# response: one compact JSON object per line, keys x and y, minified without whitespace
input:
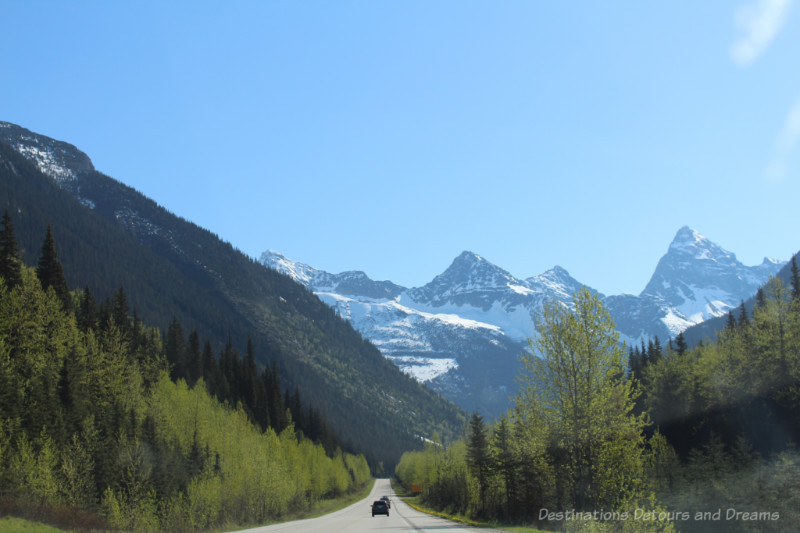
{"x":702,"y":280}
{"x":462,"y":332}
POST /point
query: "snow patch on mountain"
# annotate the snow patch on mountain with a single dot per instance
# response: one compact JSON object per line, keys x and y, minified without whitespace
{"x":46,"y":161}
{"x":424,"y":369}
{"x":299,"y":272}
{"x":514,"y":321}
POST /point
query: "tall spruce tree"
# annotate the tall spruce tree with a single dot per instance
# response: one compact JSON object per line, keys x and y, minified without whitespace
{"x":479,"y":458}
{"x":175,"y":349}
{"x":795,"y":279}
{"x":119,"y":312}
{"x":505,"y":462}
{"x":50,"y":272}
{"x":87,"y":313}
{"x":680,"y":344}
{"x":194,"y":358}
{"x":730,"y":324}
{"x":210,"y":369}
{"x":744,"y":320}
{"x":761,"y":300}
{"x":10,"y":262}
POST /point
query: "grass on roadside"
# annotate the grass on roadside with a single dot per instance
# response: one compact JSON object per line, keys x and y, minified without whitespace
{"x":329,"y":506}
{"x":11,"y":524}
{"x":414,"y":502}
{"x":320,"y":508}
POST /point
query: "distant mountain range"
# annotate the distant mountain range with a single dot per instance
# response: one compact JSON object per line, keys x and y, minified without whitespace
{"x":462,"y":332}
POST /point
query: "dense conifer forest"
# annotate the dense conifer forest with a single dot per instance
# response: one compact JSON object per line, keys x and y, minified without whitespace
{"x":108,"y":422}
{"x":700,"y":439}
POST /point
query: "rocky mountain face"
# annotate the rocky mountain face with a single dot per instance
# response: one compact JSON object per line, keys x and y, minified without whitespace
{"x":462,"y":332}
{"x":59,"y":160}
{"x":701,"y":279}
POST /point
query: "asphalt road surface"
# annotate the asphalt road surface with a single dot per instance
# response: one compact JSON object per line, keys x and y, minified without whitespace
{"x":358,"y":518}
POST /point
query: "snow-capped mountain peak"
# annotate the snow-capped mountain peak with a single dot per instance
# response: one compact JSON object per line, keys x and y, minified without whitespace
{"x":300,"y":272}
{"x":689,"y":244}
{"x":555,"y":282}
{"x":470,"y":268}
{"x":469,"y":280}
{"x":351,"y":282}
{"x":698,"y":279}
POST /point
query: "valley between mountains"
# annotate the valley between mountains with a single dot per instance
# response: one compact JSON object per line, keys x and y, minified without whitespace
{"x":461,"y":334}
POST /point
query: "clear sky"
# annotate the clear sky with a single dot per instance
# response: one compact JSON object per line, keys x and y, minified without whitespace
{"x":389,"y":136}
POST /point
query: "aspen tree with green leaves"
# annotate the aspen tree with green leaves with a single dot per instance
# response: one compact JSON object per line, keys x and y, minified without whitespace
{"x":575,"y":380}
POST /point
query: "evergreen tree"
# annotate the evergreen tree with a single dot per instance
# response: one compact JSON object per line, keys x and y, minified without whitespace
{"x":506,"y":463}
{"x":680,"y":344}
{"x":50,"y":272}
{"x":194,"y":367}
{"x":744,"y":320}
{"x":275,"y":404}
{"x":119,"y":311}
{"x":795,"y":279}
{"x":87,"y":314}
{"x":761,"y":299}
{"x":210,"y":369}
{"x":478,"y":456}
{"x":658,"y":352}
{"x":730,"y":324}
{"x":634,"y":363}
{"x":229,"y":372}
{"x":10,"y":262}
{"x":249,"y":378}
{"x":175,"y":350}
{"x":295,"y":407}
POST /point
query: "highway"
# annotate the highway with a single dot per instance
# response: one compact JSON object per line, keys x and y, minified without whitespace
{"x":358,"y":518}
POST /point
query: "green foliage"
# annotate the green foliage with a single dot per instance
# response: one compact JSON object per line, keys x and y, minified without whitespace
{"x":478,"y":458}
{"x":578,"y":386}
{"x":727,"y":416}
{"x":724,"y":424}
{"x":90,"y":419}
{"x":572,"y":442}
{"x":50,"y":272}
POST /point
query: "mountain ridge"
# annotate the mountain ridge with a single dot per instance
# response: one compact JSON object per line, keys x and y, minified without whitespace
{"x":476,"y":310}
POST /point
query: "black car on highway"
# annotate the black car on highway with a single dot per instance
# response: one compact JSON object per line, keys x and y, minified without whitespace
{"x":380,"y":507}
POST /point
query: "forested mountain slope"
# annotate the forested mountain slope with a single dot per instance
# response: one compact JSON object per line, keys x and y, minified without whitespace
{"x":110,"y":235}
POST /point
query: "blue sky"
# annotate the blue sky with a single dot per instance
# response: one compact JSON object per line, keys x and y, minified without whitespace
{"x":390,"y":136}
